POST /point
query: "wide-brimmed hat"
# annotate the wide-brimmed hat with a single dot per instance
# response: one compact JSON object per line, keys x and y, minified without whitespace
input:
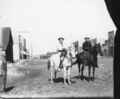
{"x":87,"y":38}
{"x":60,"y":38}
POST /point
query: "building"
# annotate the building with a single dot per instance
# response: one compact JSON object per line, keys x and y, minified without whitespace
{"x":111,"y":42}
{"x":13,"y":45}
{"x":23,"y":52}
{"x":76,"y":46}
{"x":108,"y":46}
{"x":6,"y":42}
{"x":15,"y":48}
{"x":93,"y":41}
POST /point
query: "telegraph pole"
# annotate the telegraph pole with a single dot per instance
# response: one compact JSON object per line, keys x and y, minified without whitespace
{"x":19,"y":47}
{"x":21,"y":33}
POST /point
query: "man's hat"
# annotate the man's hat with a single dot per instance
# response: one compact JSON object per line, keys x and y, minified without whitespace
{"x":87,"y":38}
{"x":60,"y":38}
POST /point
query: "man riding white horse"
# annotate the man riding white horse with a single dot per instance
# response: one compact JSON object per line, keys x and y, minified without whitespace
{"x":61,"y":60}
{"x":61,"y":48}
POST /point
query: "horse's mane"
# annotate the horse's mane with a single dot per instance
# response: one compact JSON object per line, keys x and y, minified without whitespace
{"x":94,"y":51}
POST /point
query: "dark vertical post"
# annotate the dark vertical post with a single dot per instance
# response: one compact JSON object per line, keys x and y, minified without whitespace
{"x":19,"y":48}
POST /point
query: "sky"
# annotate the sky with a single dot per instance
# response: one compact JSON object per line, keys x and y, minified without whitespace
{"x":43,"y":21}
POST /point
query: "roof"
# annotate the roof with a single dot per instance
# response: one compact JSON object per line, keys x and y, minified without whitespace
{"x":5,"y":37}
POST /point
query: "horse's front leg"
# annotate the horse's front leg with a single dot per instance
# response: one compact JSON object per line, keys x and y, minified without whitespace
{"x":89,"y":72}
{"x":65,"y":75}
{"x":55,"y":74}
{"x":69,"y":81}
{"x":79,"y":69}
{"x":83,"y":65}
{"x":52,"y":73}
{"x":93,"y":72}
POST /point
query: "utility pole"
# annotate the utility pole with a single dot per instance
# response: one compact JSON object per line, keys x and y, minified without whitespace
{"x":21,"y":49}
{"x":31,"y":50}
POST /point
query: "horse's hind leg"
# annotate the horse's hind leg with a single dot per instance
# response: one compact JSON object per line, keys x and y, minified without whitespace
{"x":82,"y":71}
{"x":89,"y":72}
{"x":52,"y":73}
{"x":55,"y":74}
{"x":69,"y":75}
{"x":65,"y":76}
{"x":52,"y":77}
{"x":79,"y":69}
{"x":93,"y":72}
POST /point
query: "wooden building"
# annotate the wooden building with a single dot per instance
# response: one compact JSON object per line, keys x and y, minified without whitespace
{"x":6,"y":42}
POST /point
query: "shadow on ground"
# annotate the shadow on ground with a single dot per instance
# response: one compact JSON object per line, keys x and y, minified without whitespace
{"x":83,"y":78}
{"x":8,"y":89}
{"x":60,"y":80}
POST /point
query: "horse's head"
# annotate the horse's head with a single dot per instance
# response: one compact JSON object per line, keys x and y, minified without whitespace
{"x":70,"y":52}
{"x":98,"y":49}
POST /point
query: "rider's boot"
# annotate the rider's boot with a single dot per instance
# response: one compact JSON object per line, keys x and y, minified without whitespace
{"x":97,"y":66}
{"x":59,"y":68}
{"x":61,"y":65}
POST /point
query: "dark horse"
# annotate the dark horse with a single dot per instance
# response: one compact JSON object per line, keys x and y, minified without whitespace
{"x":88,"y":59}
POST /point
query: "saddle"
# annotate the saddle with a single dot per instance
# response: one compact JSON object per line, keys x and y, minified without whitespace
{"x":85,"y":56}
{"x":63,"y":54}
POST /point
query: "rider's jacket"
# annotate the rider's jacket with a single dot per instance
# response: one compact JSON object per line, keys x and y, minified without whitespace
{"x":60,"y":47}
{"x":87,"y":46}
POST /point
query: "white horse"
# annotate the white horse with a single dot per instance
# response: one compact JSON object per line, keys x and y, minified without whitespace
{"x":54,"y":62}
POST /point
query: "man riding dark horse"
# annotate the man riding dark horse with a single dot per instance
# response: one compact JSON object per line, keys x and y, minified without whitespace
{"x":87,"y":45}
{"x":88,"y":57}
{"x":87,"y":49}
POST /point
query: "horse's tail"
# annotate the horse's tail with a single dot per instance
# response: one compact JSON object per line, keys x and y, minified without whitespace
{"x":48,"y":64}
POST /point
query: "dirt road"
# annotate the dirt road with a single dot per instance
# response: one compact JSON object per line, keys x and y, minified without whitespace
{"x":36,"y":82}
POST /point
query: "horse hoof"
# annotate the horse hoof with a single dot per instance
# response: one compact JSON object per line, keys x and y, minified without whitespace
{"x":93,"y":79}
{"x":69,"y":83}
{"x":58,"y":69}
{"x":65,"y":84}
{"x":82,"y":78}
{"x":52,"y":82}
{"x":88,"y":80}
